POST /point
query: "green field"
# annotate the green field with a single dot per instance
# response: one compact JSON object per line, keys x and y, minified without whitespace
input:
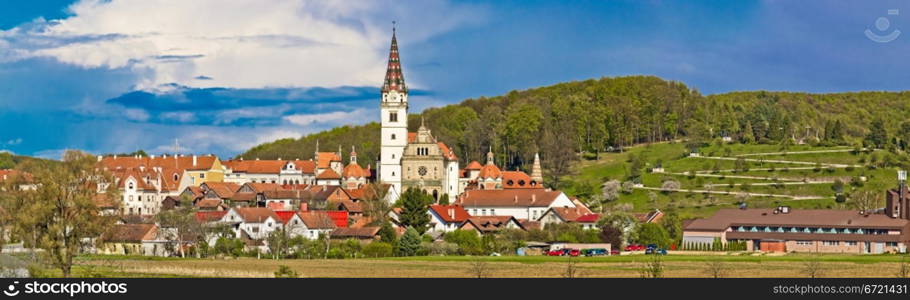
{"x":719,"y":176}
{"x":675,"y":265}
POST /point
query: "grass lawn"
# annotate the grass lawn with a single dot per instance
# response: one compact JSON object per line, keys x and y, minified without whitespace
{"x":589,"y":174}
{"x":737,"y":265}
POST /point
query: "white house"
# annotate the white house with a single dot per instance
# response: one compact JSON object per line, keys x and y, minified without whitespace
{"x":310,"y":224}
{"x":270,"y":171}
{"x":445,"y":218}
{"x":254,"y":222}
{"x":528,"y":204}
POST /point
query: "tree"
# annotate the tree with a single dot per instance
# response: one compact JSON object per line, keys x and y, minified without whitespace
{"x":654,"y":267}
{"x":479,"y":268}
{"x":375,"y":206}
{"x":878,"y":134}
{"x":651,"y":233}
{"x":748,"y":137}
{"x":865,"y":200}
{"x":279,"y":243}
{"x":387,"y":233}
{"x":414,"y":206}
{"x":610,"y":192}
{"x":61,"y":213}
{"x":179,"y":226}
{"x":611,"y":235}
{"x":468,"y":241}
{"x":716,"y":268}
{"x":672,"y":223}
{"x":670,"y":185}
{"x":285,"y":272}
{"x":812,"y":267}
{"x":409,"y":243}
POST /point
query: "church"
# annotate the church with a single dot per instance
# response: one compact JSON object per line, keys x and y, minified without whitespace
{"x":411,"y":159}
{"x":418,"y":160}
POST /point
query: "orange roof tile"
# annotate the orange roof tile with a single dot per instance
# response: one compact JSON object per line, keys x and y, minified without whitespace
{"x":353,"y":170}
{"x":473,"y":165}
{"x":328,"y":174}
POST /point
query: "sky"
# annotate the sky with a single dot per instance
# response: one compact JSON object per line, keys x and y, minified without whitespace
{"x":213,"y":76}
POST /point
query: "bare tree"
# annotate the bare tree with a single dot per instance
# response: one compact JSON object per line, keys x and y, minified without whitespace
{"x":812,"y":268}
{"x":572,"y":270}
{"x":654,"y":268}
{"x":670,"y":185}
{"x":479,"y":268}
{"x":865,"y":200}
{"x":716,"y":268}
{"x":903,"y":270}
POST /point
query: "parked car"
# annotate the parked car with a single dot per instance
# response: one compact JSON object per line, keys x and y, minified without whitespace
{"x":656,"y":250}
{"x":614,"y":252}
{"x":574,"y":252}
{"x":595,"y":252}
{"x":559,"y":252}
{"x":635,"y":247}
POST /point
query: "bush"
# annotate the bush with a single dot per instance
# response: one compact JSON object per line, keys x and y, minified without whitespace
{"x":377,"y":249}
{"x":468,"y":241}
{"x":285,"y":272}
{"x":409,"y":243}
{"x":439,"y":248}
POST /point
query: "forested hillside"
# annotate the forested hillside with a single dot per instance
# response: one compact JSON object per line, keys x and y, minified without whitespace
{"x":597,"y":115}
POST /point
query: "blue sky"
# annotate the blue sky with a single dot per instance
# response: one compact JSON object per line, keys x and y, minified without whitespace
{"x":222,"y":76}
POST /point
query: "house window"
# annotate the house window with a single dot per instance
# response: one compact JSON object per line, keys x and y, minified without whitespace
{"x":393,"y":138}
{"x":202,"y":176}
{"x":891,"y":244}
{"x":804,"y":243}
{"x":830,"y":243}
{"x":393,"y":117}
{"x":850,"y":243}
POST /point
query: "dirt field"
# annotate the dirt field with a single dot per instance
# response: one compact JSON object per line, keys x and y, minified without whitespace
{"x":496,"y":267}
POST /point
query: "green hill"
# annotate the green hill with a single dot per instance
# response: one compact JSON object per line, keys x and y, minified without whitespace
{"x":589,"y":117}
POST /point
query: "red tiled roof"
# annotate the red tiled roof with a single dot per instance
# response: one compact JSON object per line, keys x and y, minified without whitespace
{"x":360,"y":232}
{"x":208,"y":216}
{"x":321,"y":219}
{"x":490,"y":171}
{"x":450,"y":213}
{"x":131,"y":233}
{"x":328,"y":174}
{"x":588,"y":218}
{"x":412,"y":137}
{"x":324,"y":159}
{"x":512,"y":197}
{"x":446,"y":152}
{"x":394,"y":78}
{"x":353,"y":170}
{"x":208,"y":203}
{"x":518,"y":180}
{"x":490,"y":223}
{"x":255,"y":214}
{"x":224,"y":190}
{"x":10,"y":173}
{"x":473,"y":165}
{"x":285,"y":215}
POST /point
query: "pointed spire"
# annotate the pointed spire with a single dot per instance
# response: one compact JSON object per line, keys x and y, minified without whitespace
{"x":353,"y":155}
{"x":490,"y":156}
{"x":536,"y":172}
{"x":394,"y":78}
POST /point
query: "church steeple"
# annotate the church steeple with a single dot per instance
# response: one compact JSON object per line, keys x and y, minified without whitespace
{"x":394,"y":78}
{"x":536,"y":171}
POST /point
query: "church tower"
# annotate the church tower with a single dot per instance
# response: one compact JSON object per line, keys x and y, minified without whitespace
{"x":394,"y":120}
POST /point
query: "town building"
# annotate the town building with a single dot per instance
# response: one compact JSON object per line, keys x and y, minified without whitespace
{"x":278,"y":171}
{"x":446,"y":218}
{"x":529,"y":204}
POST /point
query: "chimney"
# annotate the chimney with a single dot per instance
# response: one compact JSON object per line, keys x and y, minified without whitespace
{"x":100,"y":157}
{"x":452,"y":213}
{"x":194,"y":160}
{"x":303,"y":206}
{"x":533,"y":198}
{"x":516,"y":198}
{"x":152,"y":156}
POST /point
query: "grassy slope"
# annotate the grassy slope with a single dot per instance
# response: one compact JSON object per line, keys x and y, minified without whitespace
{"x":674,"y":157}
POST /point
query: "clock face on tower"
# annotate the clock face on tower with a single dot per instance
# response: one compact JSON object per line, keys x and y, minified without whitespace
{"x":393,"y":97}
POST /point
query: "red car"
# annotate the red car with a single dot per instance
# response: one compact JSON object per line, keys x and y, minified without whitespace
{"x":635,"y":247}
{"x":559,"y":252}
{"x":574,"y":252}
{"x":614,"y":252}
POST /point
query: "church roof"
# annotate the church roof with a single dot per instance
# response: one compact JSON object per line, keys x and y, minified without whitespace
{"x":473,"y":165}
{"x":490,"y":171}
{"x":394,"y":78}
{"x":353,"y":170}
{"x":446,"y":152}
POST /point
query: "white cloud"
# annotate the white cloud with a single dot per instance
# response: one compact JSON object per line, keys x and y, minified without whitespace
{"x":179,"y":116}
{"x":240,"y":43}
{"x":13,"y":142}
{"x":335,"y":117}
{"x":136,"y":114}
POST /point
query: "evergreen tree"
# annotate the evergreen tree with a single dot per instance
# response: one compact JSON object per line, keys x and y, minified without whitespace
{"x":748,"y":136}
{"x":415,"y":203}
{"x":387,"y":233}
{"x":409,"y":243}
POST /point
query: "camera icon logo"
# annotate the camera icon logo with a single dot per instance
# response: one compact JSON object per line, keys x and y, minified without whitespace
{"x":11,"y":290}
{"x":882,"y":24}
